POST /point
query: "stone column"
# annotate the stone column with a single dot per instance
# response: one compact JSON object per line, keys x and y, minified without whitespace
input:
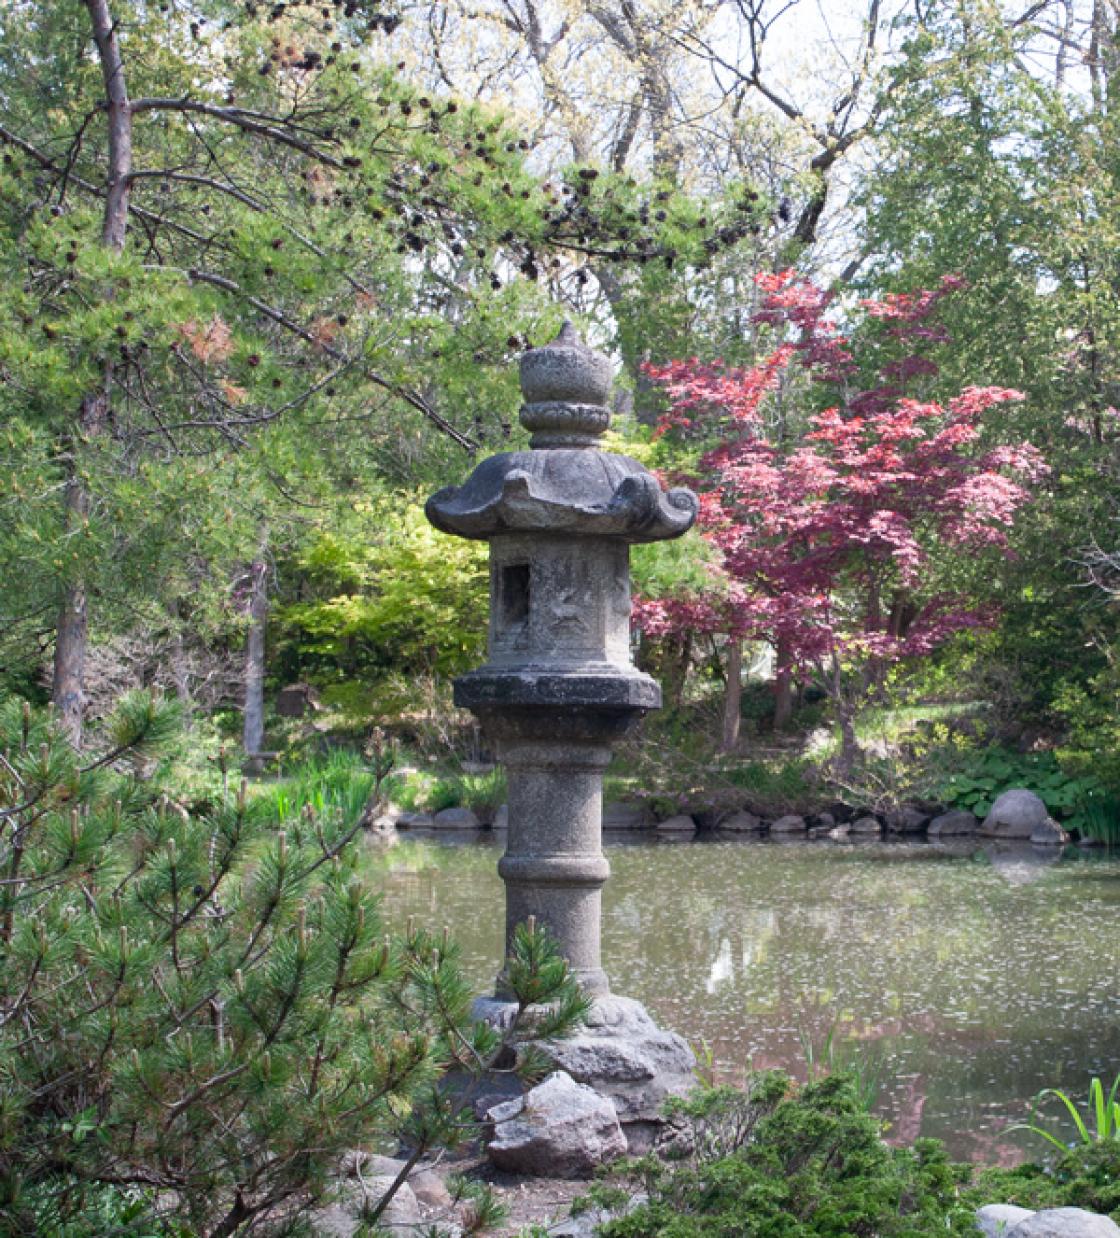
{"x":554,"y":867}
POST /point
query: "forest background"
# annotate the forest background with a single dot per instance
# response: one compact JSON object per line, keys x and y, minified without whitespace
{"x":268,"y":268}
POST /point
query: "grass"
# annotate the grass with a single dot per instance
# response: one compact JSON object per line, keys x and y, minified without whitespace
{"x":1100,"y":817}
{"x":890,"y":725}
{"x":338,"y":784}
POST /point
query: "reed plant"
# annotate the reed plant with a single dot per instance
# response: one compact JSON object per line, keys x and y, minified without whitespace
{"x":1099,"y":1124}
{"x":1099,"y":818}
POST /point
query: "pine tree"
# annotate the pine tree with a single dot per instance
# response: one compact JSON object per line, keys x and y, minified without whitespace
{"x":203,"y":1011}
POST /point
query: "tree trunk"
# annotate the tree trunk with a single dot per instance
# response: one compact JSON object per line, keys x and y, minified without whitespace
{"x":733,"y":694}
{"x":72,"y":625}
{"x":678,"y":657}
{"x":253,"y":732}
{"x":783,"y":687}
{"x":849,"y":744}
{"x":180,"y":668}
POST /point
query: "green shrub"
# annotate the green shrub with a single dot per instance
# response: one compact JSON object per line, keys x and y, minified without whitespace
{"x":793,"y":1163}
{"x":1084,"y":1176}
{"x":205,"y":1004}
{"x":978,"y":782}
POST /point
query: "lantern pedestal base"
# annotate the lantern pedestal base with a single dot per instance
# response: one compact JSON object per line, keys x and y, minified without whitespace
{"x":622,"y":1054}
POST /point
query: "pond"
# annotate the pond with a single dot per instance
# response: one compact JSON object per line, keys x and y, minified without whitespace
{"x":964,"y":980}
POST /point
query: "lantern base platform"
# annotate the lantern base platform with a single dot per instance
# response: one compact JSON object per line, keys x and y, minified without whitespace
{"x":621,"y":1053}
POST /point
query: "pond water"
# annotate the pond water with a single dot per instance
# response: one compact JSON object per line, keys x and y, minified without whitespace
{"x":966,"y":979}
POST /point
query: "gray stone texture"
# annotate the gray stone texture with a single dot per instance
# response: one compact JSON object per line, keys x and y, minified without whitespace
{"x":995,"y":1220}
{"x":682,"y":823}
{"x":791,"y":823}
{"x":559,"y":687}
{"x":501,"y":818}
{"x":1049,"y":833}
{"x":559,"y":1129}
{"x":456,"y":819}
{"x":959,"y":821}
{"x":426,"y":1185}
{"x":1015,"y":814}
{"x":742,"y":822}
{"x":623,"y":1054}
{"x":1064,"y":1223}
{"x":415,"y":821}
{"x":866,"y":825}
{"x":627,"y":815}
{"x":344,"y":1216}
{"x":906,"y":821}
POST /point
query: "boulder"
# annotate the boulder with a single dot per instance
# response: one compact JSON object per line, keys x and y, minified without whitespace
{"x":866,"y":825}
{"x":369,"y":1164}
{"x":430,"y":1189}
{"x":741,"y":823}
{"x":625,"y":1056}
{"x":1049,"y":834}
{"x":415,"y":821}
{"x":824,"y":820}
{"x":1015,"y":814}
{"x":456,"y":819}
{"x":791,"y":823}
{"x":424,"y":1182}
{"x":346,"y":1216}
{"x":682,"y":823}
{"x":840,"y":833}
{"x":626,"y":815}
{"x":560,"y":1129}
{"x":995,"y":1220}
{"x":907,"y":820}
{"x":959,"y":821}
{"x":1064,"y":1223}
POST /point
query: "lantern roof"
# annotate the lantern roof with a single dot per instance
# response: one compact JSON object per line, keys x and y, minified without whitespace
{"x":564,"y":484}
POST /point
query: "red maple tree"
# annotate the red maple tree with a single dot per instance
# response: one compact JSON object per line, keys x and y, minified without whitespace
{"x":826,"y":541}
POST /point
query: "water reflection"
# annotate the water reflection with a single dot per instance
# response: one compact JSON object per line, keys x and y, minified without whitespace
{"x":965,"y":976}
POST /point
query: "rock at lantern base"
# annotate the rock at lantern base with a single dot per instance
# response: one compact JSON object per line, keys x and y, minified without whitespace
{"x":560,"y":1129}
{"x":624,"y":1055}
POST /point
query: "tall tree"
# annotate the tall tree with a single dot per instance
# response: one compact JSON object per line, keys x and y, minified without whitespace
{"x":827,"y":537}
{"x":229,"y":232}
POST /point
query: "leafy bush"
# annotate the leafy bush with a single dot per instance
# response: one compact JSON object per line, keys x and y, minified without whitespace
{"x":1085,"y":1176}
{"x":779,"y":1162}
{"x":987,"y":774}
{"x":205,"y":1006}
{"x":395,"y":595}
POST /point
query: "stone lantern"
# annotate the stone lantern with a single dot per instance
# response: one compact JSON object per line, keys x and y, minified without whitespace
{"x":559,"y":687}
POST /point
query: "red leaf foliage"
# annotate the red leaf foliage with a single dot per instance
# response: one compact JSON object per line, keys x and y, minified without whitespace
{"x":827,"y":543}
